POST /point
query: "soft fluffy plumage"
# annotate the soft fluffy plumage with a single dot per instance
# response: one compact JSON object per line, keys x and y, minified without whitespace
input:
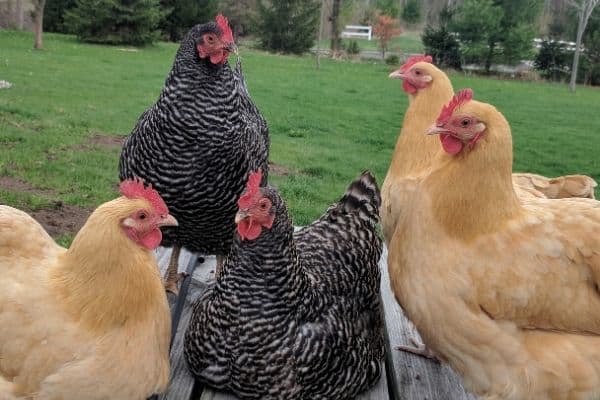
{"x":503,"y":289}
{"x":428,"y":89}
{"x":296,"y":315}
{"x":90,"y":322}
{"x":197,"y":145}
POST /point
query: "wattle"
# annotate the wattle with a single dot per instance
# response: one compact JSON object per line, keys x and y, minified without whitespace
{"x":151,"y":240}
{"x":451,"y":144}
{"x":408,"y":88}
{"x":248,"y":230}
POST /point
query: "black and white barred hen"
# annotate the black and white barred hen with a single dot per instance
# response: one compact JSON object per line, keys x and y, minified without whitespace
{"x":198,"y":143}
{"x":294,"y":315}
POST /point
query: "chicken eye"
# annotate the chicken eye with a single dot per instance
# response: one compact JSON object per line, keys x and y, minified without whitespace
{"x":142,"y":215}
{"x":210,"y":39}
{"x":417,"y":72}
{"x":263,"y":206}
{"x":465,"y":122}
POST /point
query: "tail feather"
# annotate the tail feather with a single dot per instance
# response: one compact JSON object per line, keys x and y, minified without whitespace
{"x":362,"y":195}
{"x":560,"y":187}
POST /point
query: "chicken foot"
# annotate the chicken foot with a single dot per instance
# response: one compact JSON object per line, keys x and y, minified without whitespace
{"x":419,"y":349}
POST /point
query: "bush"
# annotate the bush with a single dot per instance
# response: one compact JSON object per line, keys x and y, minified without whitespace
{"x":411,"y":13}
{"x":288,"y":26}
{"x":553,"y":60}
{"x":352,"y":47}
{"x":131,"y":22}
{"x":183,"y":14}
{"x":54,"y":15}
{"x":442,"y":46}
{"x":392,"y":60}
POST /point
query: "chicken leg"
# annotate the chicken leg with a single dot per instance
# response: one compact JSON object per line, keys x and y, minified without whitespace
{"x":171,"y":276}
{"x":419,"y":349}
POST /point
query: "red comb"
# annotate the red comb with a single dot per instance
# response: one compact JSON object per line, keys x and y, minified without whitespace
{"x":134,"y":189}
{"x":415,"y":59}
{"x":251,"y":191}
{"x":459,"y":99}
{"x":223,"y":25}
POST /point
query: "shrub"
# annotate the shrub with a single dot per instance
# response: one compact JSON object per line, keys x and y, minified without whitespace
{"x":392,"y":60}
{"x":442,"y":46}
{"x":553,"y":60}
{"x":352,"y":47}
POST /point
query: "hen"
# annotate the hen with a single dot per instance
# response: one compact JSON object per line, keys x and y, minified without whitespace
{"x":198,"y":144}
{"x":503,"y":289}
{"x":428,"y":89}
{"x":90,"y":322}
{"x":295,"y":315}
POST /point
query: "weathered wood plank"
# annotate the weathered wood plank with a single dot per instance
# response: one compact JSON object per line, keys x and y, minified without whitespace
{"x":413,"y":377}
{"x":181,"y":382}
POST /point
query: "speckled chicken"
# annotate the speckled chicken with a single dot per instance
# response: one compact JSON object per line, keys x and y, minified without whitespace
{"x":198,"y":143}
{"x":294,"y":315}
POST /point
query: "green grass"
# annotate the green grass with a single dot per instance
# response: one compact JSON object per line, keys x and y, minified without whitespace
{"x":326,"y":126}
{"x":408,"y":42}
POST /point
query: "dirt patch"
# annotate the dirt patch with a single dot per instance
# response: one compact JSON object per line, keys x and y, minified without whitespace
{"x":18,"y":185}
{"x":107,"y":140}
{"x":100,"y":140}
{"x":58,"y":218}
{"x":278,"y":169}
{"x":61,"y":219}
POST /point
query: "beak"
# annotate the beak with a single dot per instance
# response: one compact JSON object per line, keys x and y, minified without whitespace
{"x":232,"y":48}
{"x":168,"y":220}
{"x":435,"y":130}
{"x":241,"y":215}
{"x":398,"y":74}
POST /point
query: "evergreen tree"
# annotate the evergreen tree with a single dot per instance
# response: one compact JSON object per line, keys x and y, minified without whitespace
{"x":54,"y":15}
{"x":288,"y":26}
{"x":411,"y":13}
{"x":183,"y":14}
{"x":132,"y":22}
{"x":496,"y":30}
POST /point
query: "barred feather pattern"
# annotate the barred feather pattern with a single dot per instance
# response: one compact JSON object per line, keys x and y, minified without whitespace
{"x":296,"y":315}
{"x":197,"y":145}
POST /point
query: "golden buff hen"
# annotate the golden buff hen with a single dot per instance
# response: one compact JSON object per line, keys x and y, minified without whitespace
{"x":505,"y":290}
{"x":90,"y":322}
{"x":428,"y":89}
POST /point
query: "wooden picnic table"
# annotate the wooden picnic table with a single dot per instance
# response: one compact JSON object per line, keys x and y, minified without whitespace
{"x":406,"y":377}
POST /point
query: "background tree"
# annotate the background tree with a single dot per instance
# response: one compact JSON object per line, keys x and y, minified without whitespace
{"x":38,"y":22}
{"x":411,"y":13}
{"x":584,"y":10}
{"x":441,"y":44}
{"x":334,"y":18}
{"x":288,"y":26}
{"x":54,"y":15}
{"x":181,"y":15}
{"x":478,"y":25}
{"x":552,"y":60}
{"x":385,"y":29}
{"x":496,"y":29}
{"x":242,"y":15}
{"x":388,"y":7}
{"x":132,"y":22}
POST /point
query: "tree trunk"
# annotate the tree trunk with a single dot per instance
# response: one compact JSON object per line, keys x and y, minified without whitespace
{"x":19,"y":14}
{"x":584,"y":10}
{"x":38,"y":22}
{"x":335,"y":29}
{"x":575,"y":67}
{"x":489,"y":57}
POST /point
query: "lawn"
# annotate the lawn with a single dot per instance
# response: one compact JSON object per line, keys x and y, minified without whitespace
{"x":69,"y":101}
{"x":408,"y":42}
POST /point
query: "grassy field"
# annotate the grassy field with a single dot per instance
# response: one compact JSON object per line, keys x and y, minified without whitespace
{"x":70,"y":99}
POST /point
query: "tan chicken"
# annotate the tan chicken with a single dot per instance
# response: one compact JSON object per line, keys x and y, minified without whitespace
{"x":90,"y":322}
{"x":428,"y":89}
{"x":503,"y":289}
